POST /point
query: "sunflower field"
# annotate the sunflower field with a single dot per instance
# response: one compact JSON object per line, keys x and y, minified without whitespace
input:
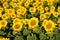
{"x":29,"y":19}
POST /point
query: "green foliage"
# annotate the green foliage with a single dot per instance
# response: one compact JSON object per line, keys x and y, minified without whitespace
{"x":19,"y":38}
{"x":33,"y":37}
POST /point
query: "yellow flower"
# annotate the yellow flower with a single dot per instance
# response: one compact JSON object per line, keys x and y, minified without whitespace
{"x":29,"y":0}
{"x":20,"y":1}
{"x":40,"y":8}
{"x":58,"y":21}
{"x":0,"y":14}
{"x":10,"y":11}
{"x":21,"y":11}
{"x":49,"y":26}
{"x":33,"y":22}
{"x":16,"y":20}
{"x":55,"y":14}
{"x":0,"y":0}
{"x":50,"y":2}
{"x":46,"y":8}
{"x":14,"y":5}
{"x":14,"y":0}
{"x":42,"y":0}
{"x":3,"y":23}
{"x":41,"y":11}
{"x":11,"y":3}
{"x":35,"y":5}
{"x":56,"y":1}
{"x":26,"y":21}
{"x":18,"y":15}
{"x":13,"y":15}
{"x":58,"y":9}
{"x":1,"y":9}
{"x":40,"y":4}
{"x":47,"y":14}
{"x":44,"y":22}
{"x":4,"y":16}
{"x":17,"y":26}
{"x":32,"y":10}
{"x":5,"y":5}
{"x":18,"y":5}
{"x":7,"y":15}
{"x":52,"y":8}
{"x":4,"y":38}
{"x":26,"y":4}
{"x":42,"y":16}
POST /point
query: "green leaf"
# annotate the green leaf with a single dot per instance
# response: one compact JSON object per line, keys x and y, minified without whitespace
{"x":42,"y":36}
{"x":26,"y":32}
{"x":36,"y":30}
{"x":29,"y":37}
{"x":2,"y":33}
{"x":9,"y":20}
{"x":10,"y":35}
{"x":19,"y":38}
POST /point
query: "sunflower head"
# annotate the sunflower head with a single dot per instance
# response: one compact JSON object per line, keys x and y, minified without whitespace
{"x":32,"y":10}
{"x":17,"y":26}
{"x":42,"y":16}
{"x":16,"y":20}
{"x":26,"y":21}
{"x":33,"y":22}
{"x":58,"y":21}
{"x":49,"y":26}
{"x":3,"y":23}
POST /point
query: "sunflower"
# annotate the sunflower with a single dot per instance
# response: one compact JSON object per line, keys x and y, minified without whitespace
{"x":52,"y":8}
{"x":32,"y":9}
{"x":46,"y":8}
{"x":50,"y":2}
{"x":58,"y":21}
{"x":33,"y":22}
{"x":20,"y":1}
{"x":26,"y":21}
{"x":42,"y":16}
{"x":3,"y":23}
{"x":47,"y":14}
{"x":18,"y":15}
{"x":11,"y":3}
{"x":18,"y":5}
{"x":13,"y":0}
{"x":7,"y":15}
{"x":40,"y":4}
{"x":49,"y":26}
{"x":1,"y":9}
{"x":21,"y":11}
{"x":35,"y":5}
{"x":41,"y":11}
{"x":0,"y":14}
{"x":26,"y":4}
{"x":58,"y":9}
{"x":40,"y":8}
{"x":16,"y":20}
{"x":14,"y":5}
{"x":13,"y":15}
{"x":17,"y":26}
{"x":55,"y":14}
{"x":4,"y":16}
{"x":29,"y":0}
{"x":5,"y":5}
{"x":44,"y":22}
{"x":4,"y":39}
{"x":10,"y":11}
